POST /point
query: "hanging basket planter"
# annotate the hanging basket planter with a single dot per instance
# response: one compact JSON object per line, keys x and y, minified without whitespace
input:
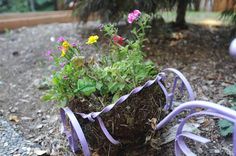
{"x":124,"y":126}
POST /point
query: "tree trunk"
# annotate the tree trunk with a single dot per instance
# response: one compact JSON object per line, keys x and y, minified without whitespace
{"x":196,"y":4}
{"x":32,"y":5}
{"x":181,"y":11}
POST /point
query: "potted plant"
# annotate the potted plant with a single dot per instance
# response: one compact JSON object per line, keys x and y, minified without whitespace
{"x":93,"y":88}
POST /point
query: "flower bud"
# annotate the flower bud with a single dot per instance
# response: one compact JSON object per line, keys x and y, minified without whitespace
{"x":78,"y":61}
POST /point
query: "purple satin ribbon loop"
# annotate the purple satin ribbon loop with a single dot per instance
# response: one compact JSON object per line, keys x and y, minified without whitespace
{"x":105,"y":131}
{"x":75,"y":130}
{"x":184,"y":83}
{"x":215,"y":110}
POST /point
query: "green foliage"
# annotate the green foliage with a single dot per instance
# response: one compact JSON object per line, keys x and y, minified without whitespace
{"x":113,"y":75}
{"x":230,"y":15}
{"x":13,"y":6}
{"x":231,"y":90}
{"x":113,"y":10}
{"x":226,"y":127}
{"x":25,"y":5}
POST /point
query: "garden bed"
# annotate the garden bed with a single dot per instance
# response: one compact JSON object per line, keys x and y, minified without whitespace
{"x":22,"y":67}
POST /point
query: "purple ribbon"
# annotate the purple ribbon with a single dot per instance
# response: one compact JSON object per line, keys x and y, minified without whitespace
{"x":211,"y":109}
{"x":184,"y":83}
{"x":76,"y":131}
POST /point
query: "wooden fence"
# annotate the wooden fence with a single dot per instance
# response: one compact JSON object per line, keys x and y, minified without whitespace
{"x":17,"y":20}
{"x":216,"y":5}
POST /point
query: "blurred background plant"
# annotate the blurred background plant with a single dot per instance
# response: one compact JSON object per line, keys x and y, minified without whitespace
{"x":31,"y":5}
{"x":230,"y":13}
{"x":114,"y":10}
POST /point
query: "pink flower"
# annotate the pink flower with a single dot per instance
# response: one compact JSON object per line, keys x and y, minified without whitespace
{"x":65,"y":77}
{"x":60,"y":40}
{"x":74,"y":45}
{"x":50,"y":58}
{"x":61,"y":48}
{"x":49,"y":55}
{"x":136,"y":13}
{"x":62,"y":64}
{"x":133,"y":16}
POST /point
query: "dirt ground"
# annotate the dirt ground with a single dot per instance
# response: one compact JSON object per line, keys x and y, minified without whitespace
{"x":200,"y":52}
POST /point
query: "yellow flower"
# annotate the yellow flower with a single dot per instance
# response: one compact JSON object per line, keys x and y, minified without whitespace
{"x":63,"y":53}
{"x":92,"y":39}
{"x":65,"y":45}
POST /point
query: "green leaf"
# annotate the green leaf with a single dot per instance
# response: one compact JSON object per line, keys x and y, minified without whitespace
{"x":231,"y":90}
{"x":88,"y":90}
{"x":46,"y":97}
{"x":226,"y":127}
{"x":113,"y":87}
{"x":224,"y":124}
{"x":62,"y":103}
{"x":227,"y":131}
{"x":115,"y":97}
{"x":99,"y":85}
{"x":86,"y":86}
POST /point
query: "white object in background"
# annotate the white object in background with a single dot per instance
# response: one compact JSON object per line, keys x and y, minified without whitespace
{"x":232,"y":48}
{"x":52,"y":39}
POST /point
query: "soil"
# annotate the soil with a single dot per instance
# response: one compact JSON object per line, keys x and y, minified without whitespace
{"x":129,"y":122}
{"x":200,"y":53}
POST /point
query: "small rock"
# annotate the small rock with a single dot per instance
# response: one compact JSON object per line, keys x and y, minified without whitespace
{"x":42,"y":85}
{"x":53,"y":119}
{"x":217,"y":151}
{"x":13,"y":109}
{"x":200,"y":119}
{"x":39,"y":138}
{"x":25,"y":101}
{"x":39,"y":126}
{"x":204,"y":98}
{"x":24,"y":118}
{"x":228,"y":151}
{"x":205,"y":88}
{"x":36,"y":82}
{"x":40,"y":152}
{"x":39,"y":112}
{"x":210,"y":82}
{"x":24,"y":148}
{"x":5,"y":144}
{"x":14,"y":118}
{"x":221,"y":102}
{"x":15,"y":53}
{"x":54,"y":153}
{"x":170,"y":135}
{"x":1,"y":112}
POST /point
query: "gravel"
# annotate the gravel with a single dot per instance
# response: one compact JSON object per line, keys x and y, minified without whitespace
{"x":12,"y":143}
